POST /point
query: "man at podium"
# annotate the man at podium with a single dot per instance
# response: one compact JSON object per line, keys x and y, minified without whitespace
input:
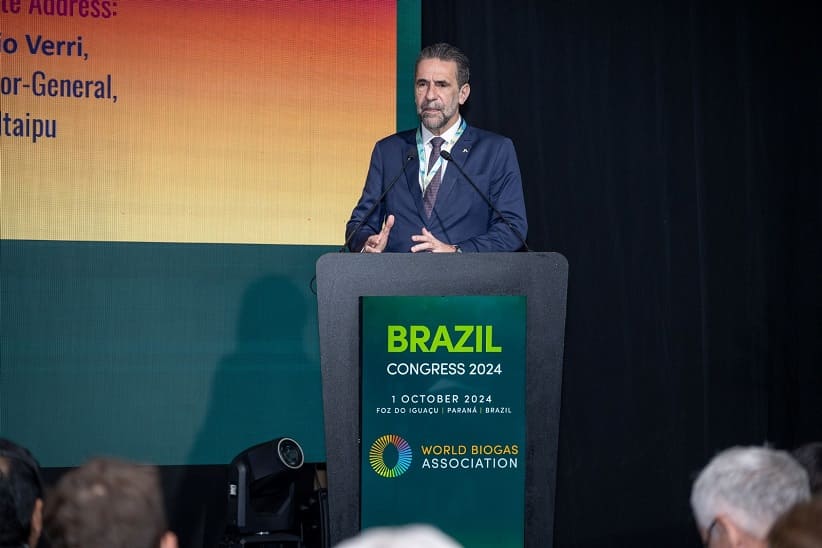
{"x":444,"y":187}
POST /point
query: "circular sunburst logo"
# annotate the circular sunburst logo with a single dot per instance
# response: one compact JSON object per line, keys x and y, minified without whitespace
{"x":376,"y":455}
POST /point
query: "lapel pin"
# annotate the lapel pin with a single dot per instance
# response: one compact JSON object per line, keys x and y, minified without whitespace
{"x":465,"y":150}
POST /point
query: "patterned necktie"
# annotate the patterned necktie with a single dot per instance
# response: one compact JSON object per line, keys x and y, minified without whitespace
{"x":433,"y":187}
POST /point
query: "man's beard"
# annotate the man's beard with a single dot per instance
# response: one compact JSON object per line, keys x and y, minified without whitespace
{"x":436,"y":120}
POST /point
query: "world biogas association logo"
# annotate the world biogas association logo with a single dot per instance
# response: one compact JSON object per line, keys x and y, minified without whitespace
{"x":390,"y":443}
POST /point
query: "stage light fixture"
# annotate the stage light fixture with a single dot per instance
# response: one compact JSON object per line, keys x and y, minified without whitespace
{"x":263,"y":490}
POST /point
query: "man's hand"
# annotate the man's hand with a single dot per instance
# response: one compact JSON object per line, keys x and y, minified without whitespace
{"x":427,"y":242}
{"x":377,"y":242}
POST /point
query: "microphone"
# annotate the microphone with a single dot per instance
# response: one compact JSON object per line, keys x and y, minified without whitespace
{"x":447,"y":155}
{"x":410,"y":155}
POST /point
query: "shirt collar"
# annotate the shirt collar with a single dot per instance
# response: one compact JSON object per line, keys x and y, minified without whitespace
{"x":448,"y":135}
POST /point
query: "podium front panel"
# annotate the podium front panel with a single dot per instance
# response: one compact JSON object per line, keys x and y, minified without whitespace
{"x":343,"y":279}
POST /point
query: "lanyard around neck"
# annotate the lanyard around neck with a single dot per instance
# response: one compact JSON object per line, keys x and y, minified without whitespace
{"x":427,"y":174}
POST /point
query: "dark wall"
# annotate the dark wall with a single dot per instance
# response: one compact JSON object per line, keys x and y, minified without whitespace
{"x":671,"y":151}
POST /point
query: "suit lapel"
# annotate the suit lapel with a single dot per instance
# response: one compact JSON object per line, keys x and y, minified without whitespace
{"x":412,"y":177}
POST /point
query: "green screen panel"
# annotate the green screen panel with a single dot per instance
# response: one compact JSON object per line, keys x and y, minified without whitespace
{"x":170,"y":353}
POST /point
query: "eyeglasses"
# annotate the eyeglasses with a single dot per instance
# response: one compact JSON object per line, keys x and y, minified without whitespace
{"x":708,"y":533}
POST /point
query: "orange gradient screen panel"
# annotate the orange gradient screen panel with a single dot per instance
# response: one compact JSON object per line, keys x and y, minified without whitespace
{"x":210,"y":121}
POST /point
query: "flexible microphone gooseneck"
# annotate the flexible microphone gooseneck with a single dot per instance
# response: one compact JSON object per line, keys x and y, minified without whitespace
{"x":410,"y":155}
{"x":447,"y":155}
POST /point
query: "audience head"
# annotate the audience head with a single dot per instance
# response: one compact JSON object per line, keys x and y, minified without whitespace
{"x":742,"y":491}
{"x":409,"y":536}
{"x":108,"y":503}
{"x":21,"y":496}
{"x":799,"y":527}
{"x":810,"y":457}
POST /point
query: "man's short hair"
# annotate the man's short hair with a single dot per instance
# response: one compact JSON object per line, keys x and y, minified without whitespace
{"x":22,"y":486}
{"x":12,"y":531}
{"x":447,"y":52}
{"x":799,"y":527}
{"x":810,"y":457}
{"x":106,"y":503}
{"x":753,"y":486}
{"x":406,"y":536}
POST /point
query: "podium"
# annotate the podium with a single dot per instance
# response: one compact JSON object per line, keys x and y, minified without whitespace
{"x":343,"y":278}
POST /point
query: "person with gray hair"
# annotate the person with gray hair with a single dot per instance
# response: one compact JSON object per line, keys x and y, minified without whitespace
{"x":444,"y":186}
{"x":742,"y":491}
{"x":407,"y":536}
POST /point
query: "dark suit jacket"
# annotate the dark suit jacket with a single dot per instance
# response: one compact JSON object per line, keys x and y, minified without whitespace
{"x":461,"y":216}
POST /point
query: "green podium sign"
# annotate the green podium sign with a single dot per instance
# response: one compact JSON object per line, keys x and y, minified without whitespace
{"x":442,"y":413}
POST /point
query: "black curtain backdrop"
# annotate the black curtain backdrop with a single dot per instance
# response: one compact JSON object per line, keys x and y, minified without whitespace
{"x":671,"y":151}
